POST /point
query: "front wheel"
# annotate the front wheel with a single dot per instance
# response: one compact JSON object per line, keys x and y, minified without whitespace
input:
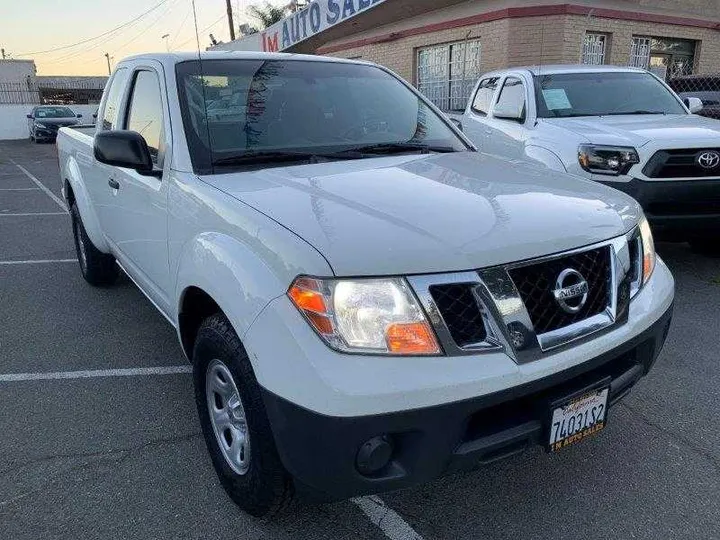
{"x":708,"y":247}
{"x":234,"y":422}
{"x":97,"y":267}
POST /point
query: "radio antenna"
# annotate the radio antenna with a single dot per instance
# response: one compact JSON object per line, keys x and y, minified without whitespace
{"x":202,"y":85}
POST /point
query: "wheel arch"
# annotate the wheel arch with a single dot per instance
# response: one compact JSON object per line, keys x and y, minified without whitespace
{"x":76,"y":193}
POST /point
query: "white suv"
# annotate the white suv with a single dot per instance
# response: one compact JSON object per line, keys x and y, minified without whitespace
{"x":622,"y":127}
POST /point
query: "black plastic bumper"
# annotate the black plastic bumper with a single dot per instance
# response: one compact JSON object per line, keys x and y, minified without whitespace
{"x":321,"y":451}
{"x":679,"y":210}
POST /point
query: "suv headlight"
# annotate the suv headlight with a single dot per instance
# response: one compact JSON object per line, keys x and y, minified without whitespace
{"x":649,"y":256}
{"x":610,"y":160}
{"x":371,"y":316}
{"x":39,"y":125}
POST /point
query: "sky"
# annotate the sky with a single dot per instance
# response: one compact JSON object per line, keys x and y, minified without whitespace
{"x":29,"y":29}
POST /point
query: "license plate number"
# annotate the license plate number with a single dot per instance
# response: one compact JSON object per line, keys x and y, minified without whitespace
{"x":577,"y":419}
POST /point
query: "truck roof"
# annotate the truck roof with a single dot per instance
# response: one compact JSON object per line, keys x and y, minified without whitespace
{"x":176,"y":57}
{"x":554,"y":69}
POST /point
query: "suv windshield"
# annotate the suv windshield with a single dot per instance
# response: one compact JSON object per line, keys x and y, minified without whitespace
{"x":240,"y":111}
{"x":603,"y":93}
{"x":53,"y":112}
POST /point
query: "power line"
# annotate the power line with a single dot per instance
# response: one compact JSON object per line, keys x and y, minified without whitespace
{"x":224,"y":15}
{"x":98,"y":36}
{"x":180,"y":28}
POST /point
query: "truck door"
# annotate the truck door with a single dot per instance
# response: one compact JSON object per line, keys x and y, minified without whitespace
{"x":506,"y":131}
{"x":135,"y":220}
{"x":474,"y":123}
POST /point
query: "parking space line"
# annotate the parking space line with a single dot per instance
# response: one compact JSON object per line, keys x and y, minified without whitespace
{"x":39,"y":261}
{"x":93,"y":374}
{"x":20,"y":189}
{"x":22,"y":214}
{"x":386,"y":519}
{"x":40,"y":185}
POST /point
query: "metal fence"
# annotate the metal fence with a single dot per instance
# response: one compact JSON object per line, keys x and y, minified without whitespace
{"x":705,"y":87}
{"x":50,"y":93}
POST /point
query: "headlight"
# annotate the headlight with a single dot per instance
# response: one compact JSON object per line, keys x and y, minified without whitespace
{"x":611,"y":160}
{"x":648,"y":250}
{"x":41,"y":126}
{"x":375,"y":316}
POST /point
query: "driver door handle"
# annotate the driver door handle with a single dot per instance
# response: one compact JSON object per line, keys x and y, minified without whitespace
{"x":113,"y":183}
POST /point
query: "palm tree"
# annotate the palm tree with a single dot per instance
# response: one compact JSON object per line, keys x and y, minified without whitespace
{"x":267,"y":14}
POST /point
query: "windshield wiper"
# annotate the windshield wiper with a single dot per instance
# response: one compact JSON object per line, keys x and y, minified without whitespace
{"x":249,"y":158}
{"x":641,"y":111}
{"x":392,"y":148}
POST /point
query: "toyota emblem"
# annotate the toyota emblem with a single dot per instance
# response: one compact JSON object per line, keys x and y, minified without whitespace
{"x":571,"y":291}
{"x":709,"y":159}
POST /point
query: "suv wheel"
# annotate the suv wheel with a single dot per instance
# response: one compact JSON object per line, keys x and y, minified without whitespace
{"x":97,"y":267}
{"x":234,"y":422}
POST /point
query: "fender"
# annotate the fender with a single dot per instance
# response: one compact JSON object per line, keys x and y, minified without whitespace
{"x":72,"y":175}
{"x":238,"y":280}
{"x":546,"y":157}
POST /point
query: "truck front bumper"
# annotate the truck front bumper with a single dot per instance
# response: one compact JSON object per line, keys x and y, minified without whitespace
{"x":677,"y":209}
{"x":325,"y":453}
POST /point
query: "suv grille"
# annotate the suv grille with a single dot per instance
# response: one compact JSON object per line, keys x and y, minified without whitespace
{"x":536,"y":282}
{"x":678,"y":163}
{"x":461,"y":312}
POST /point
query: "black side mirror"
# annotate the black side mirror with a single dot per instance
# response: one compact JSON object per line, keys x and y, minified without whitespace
{"x":123,"y":149}
{"x":458,"y":123}
{"x":30,"y":116}
{"x":79,"y":115}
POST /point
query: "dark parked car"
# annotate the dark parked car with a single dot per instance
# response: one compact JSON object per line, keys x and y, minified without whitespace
{"x":45,"y":120}
{"x":705,"y":87}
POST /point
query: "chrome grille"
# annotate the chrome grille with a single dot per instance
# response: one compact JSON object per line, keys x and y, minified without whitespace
{"x":461,"y":312}
{"x":535,"y":284}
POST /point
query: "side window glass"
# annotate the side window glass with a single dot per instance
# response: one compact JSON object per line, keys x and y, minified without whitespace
{"x":112,"y":103}
{"x":483,"y":98}
{"x":145,"y":111}
{"x":511,"y":102}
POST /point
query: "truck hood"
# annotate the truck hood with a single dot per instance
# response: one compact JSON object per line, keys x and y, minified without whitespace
{"x":638,"y":130}
{"x":432,"y":213}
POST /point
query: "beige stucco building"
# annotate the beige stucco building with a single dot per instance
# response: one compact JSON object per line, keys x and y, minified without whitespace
{"x":443,"y":45}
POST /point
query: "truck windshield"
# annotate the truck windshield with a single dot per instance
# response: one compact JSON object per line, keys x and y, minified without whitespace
{"x":603,"y":93}
{"x":245,"y":111}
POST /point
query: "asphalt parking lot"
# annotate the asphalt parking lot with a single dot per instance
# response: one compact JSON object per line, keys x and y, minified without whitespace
{"x":121,"y":455}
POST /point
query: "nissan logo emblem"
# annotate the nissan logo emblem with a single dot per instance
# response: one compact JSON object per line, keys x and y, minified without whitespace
{"x":571,"y":291}
{"x":709,"y":159}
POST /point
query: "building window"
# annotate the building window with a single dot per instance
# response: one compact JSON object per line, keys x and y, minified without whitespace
{"x":665,"y":57}
{"x":640,"y":52}
{"x":593,"y":51}
{"x":446,"y":74}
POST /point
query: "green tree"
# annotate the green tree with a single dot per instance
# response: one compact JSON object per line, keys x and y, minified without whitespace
{"x":267,"y":14}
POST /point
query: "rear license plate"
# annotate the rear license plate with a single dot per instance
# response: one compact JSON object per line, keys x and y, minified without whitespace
{"x":577,"y":419}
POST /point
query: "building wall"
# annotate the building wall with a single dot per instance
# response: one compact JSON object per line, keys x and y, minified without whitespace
{"x":553,"y":35}
{"x":16,"y":71}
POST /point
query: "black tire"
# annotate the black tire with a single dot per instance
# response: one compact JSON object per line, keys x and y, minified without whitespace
{"x":265,"y":489}
{"x":98,"y":268}
{"x":709,"y":248}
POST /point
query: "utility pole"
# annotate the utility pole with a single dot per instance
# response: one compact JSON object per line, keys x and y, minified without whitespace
{"x":3,"y":53}
{"x":107,"y":57}
{"x":230,"y":20}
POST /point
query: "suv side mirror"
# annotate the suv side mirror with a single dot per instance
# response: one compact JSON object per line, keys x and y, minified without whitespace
{"x":30,"y":116}
{"x":693,"y":104}
{"x":79,"y":115}
{"x":123,"y":149}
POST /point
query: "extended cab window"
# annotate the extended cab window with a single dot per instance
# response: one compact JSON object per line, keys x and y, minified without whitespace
{"x":145,"y":111}
{"x":512,"y":99}
{"x":112,"y":103}
{"x":484,"y":95}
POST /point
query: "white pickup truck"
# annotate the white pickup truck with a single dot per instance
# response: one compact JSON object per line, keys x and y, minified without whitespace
{"x":367,"y":302}
{"x":623,"y":127}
